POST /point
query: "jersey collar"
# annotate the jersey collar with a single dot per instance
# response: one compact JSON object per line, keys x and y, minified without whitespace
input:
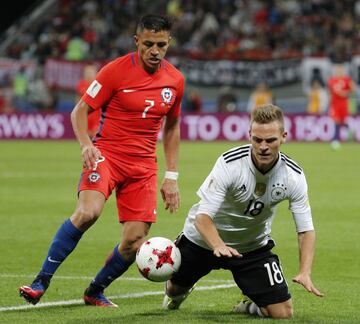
{"x":258,"y":173}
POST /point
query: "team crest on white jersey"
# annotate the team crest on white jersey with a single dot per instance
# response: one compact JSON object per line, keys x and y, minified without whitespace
{"x":94,"y":89}
{"x":278,"y":192}
{"x":260,"y":189}
{"x":166,"y":95}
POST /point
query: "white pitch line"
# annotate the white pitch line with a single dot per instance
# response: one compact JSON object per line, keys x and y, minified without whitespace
{"x":125,"y":296}
{"x":5,"y":275}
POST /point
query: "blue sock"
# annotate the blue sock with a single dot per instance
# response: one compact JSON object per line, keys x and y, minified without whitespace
{"x":64,"y":242}
{"x":337,"y":132}
{"x":114,"y":267}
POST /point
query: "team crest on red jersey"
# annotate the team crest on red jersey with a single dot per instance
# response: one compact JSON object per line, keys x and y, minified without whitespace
{"x":166,"y":95}
{"x":94,"y":177}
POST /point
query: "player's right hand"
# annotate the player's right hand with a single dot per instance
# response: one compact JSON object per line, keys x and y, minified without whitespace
{"x":90,"y":155}
{"x":170,"y":195}
{"x":226,"y":251}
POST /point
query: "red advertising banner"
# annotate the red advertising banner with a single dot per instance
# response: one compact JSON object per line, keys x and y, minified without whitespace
{"x":65,"y":75}
{"x":235,"y":127}
{"x":194,"y":127}
{"x":35,"y":126}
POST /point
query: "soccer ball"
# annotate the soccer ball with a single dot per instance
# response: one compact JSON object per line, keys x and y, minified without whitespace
{"x":158,"y":258}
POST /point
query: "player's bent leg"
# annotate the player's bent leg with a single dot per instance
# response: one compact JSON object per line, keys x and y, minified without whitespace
{"x":282,"y":310}
{"x":65,"y":240}
{"x":116,"y":264}
{"x":134,"y":234}
{"x":175,"y":295}
{"x":114,"y":267}
{"x":247,"y":306}
{"x":88,"y":209}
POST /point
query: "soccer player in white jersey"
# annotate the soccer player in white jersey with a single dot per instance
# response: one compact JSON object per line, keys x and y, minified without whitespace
{"x":229,"y":228}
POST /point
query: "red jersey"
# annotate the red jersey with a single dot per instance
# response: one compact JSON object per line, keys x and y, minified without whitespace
{"x":133,"y":104}
{"x":339,"y":104}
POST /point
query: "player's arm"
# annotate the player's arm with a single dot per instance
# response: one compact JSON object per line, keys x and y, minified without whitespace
{"x":206,"y":227}
{"x":79,"y":120}
{"x":171,"y":141}
{"x":300,"y":207}
{"x":306,"y":242}
{"x":212,"y":193}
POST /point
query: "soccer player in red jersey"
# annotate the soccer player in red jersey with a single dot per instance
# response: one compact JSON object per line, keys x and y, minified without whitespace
{"x":134,"y":92}
{"x":340,"y":86}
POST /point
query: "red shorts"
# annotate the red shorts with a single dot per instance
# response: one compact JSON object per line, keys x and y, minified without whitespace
{"x":136,"y":188}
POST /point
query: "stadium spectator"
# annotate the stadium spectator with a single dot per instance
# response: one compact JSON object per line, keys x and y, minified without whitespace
{"x":220,"y":29}
{"x":135,"y":92}
{"x":193,"y":102}
{"x":340,"y":87}
{"x":211,"y":30}
{"x":39,"y":95}
{"x":5,"y":102}
{"x":261,"y":95}
{"x":94,"y":116}
{"x":227,"y":100}
{"x":20,"y":86}
{"x":317,"y":98}
{"x":230,"y":226}
{"x":77,"y":49}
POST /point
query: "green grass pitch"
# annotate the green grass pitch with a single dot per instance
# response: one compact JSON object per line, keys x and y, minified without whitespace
{"x":38,"y":192}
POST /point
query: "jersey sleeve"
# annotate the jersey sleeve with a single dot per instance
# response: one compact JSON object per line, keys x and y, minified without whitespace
{"x":102,"y":88}
{"x":300,"y":207}
{"x":175,"y":110}
{"x":213,"y":190}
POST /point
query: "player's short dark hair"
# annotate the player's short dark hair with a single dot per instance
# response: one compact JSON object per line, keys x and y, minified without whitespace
{"x":268,"y":113}
{"x":154,"y":22}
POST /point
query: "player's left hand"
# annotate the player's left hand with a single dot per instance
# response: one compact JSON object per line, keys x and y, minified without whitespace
{"x":306,"y":282}
{"x":170,"y":195}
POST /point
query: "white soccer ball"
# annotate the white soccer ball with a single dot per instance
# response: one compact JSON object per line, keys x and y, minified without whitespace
{"x":158,"y":258}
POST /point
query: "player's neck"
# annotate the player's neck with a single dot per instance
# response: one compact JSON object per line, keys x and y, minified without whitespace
{"x":147,"y":68}
{"x":264,"y":168}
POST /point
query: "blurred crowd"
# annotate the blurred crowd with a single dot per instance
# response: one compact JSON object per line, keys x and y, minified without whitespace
{"x":88,"y":30}
{"x":98,"y":29}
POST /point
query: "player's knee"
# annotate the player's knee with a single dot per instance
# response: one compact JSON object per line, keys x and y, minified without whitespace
{"x":129,"y":246}
{"x":134,"y":241}
{"x":84,"y":217}
{"x":283,"y":311}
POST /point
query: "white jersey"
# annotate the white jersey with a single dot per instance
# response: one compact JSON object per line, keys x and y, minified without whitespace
{"x":241,"y":200}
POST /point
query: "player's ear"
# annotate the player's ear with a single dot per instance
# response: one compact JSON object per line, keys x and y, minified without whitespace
{"x":136,"y":40}
{"x":283,"y":137}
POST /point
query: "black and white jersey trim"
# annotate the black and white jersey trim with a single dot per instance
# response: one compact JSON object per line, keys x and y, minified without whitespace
{"x":237,"y":153}
{"x":290,"y":163}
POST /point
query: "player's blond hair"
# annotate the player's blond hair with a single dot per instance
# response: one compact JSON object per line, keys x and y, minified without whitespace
{"x":265,"y":114}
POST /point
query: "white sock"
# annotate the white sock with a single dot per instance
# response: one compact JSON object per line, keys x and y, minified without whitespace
{"x":253,"y":309}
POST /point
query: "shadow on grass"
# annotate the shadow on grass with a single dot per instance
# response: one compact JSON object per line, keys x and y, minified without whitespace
{"x":181,"y":316}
